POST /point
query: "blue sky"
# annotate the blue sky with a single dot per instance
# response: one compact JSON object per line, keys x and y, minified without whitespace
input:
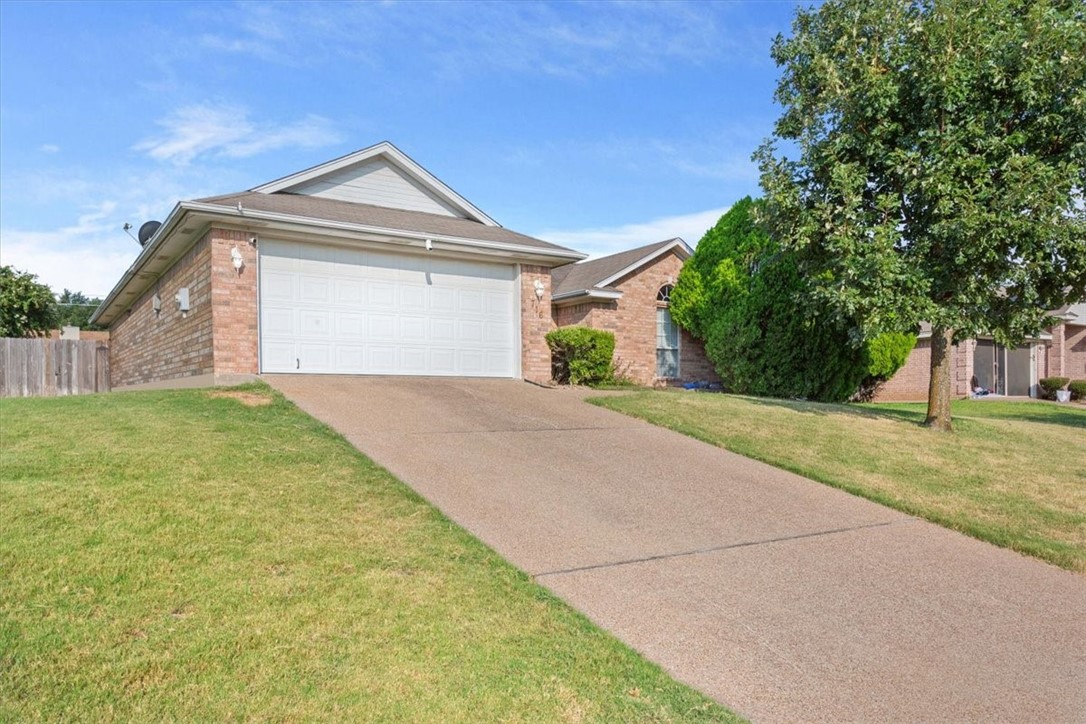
{"x":598,"y":126}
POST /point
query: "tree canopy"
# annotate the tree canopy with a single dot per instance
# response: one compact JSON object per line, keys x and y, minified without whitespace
{"x":941,"y":165}
{"x":27,"y":307}
{"x":74,"y":309}
{"x":747,"y":299}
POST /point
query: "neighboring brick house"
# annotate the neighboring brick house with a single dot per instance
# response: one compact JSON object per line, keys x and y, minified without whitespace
{"x":368,"y":264}
{"x":1060,"y":351}
{"x":628,"y":294}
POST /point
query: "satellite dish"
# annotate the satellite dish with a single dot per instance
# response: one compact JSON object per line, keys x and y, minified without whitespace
{"x":147,"y":230}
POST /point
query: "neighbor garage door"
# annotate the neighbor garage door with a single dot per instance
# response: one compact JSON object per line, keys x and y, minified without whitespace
{"x":348,"y":311}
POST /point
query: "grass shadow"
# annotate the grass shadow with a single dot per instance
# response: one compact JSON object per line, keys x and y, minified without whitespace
{"x":869,"y":412}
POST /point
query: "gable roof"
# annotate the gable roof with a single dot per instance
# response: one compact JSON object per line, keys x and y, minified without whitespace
{"x":375,"y":218}
{"x":272,"y":208}
{"x":395,"y":156}
{"x":590,"y":278}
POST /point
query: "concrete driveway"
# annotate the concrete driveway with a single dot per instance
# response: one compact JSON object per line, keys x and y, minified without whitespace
{"x":780,"y":597}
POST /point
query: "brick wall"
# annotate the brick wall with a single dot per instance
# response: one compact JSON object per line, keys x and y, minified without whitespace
{"x":693,"y":364}
{"x":910,"y":384}
{"x":1074,"y":353}
{"x":149,"y":347}
{"x":234,"y":304}
{"x":535,"y":322}
{"x":633,"y":321}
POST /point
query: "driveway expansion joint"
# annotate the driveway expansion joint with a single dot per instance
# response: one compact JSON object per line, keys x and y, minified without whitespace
{"x":518,"y":429}
{"x":728,"y":546}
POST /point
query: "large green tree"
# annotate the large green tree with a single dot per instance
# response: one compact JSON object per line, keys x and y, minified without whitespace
{"x":747,"y":299}
{"x":940,"y":163}
{"x":27,"y":307}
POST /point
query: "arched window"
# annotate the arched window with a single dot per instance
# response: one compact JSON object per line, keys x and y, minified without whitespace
{"x":667,"y":336}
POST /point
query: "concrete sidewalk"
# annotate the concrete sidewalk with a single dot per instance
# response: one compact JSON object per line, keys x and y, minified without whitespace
{"x":782,"y":598}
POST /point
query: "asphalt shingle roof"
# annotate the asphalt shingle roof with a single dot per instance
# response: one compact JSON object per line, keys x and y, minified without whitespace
{"x":421,"y":222}
{"x":588,"y":274}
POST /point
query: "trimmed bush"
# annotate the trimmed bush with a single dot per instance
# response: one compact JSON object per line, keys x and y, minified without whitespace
{"x":1078,"y":389}
{"x":581,"y":355}
{"x":1049,"y":386}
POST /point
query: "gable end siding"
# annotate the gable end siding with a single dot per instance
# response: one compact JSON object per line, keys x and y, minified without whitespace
{"x":378,"y":183}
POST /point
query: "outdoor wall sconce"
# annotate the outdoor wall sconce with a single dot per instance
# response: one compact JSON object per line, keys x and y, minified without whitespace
{"x":539,"y":289}
{"x":156,"y":304}
{"x":235,"y":257}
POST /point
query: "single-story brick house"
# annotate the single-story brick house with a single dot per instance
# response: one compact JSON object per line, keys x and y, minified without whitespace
{"x":1060,"y":351}
{"x":368,"y":264}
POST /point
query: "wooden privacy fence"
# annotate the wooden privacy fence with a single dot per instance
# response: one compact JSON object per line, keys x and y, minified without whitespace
{"x":39,"y":367}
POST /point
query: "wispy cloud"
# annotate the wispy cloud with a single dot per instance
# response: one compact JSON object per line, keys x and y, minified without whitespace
{"x":205,"y":129}
{"x":462,"y":39}
{"x":87,"y":256}
{"x":75,"y":239}
{"x":608,"y":240}
{"x":49,"y":148}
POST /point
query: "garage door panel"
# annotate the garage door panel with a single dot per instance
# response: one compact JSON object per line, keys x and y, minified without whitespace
{"x":351,"y":311}
{"x":350,"y":291}
{"x":382,"y":327}
{"x":350,"y":325}
{"x":414,"y":360}
{"x":412,"y":297}
{"x":350,"y":358}
{"x":471,"y":301}
{"x":498,"y":334}
{"x":442,"y":301}
{"x":381,"y":295}
{"x":278,"y":321}
{"x":314,"y":323}
{"x":470,"y":331}
{"x":499,"y":304}
{"x":314,"y":289}
{"x":472,"y":362}
{"x":277,"y":286}
{"x":413,"y":329}
{"x":442,"y":329}
{"x":278,"y":357}
{"x":443,"y":360}
{"x":381,"y":359}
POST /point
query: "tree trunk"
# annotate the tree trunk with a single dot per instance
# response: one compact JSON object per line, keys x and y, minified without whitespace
{"x":939,"y":384}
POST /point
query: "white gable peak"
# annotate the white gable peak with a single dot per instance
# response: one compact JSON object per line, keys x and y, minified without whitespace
{"x":381,"y":175}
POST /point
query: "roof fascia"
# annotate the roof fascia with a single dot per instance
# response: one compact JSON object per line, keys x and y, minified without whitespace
{"x":305,"y":221}
{"x":149,"y":250}
{"x":586,"y":293}
{"x":401,"y":159}
{"x":676,"y":244}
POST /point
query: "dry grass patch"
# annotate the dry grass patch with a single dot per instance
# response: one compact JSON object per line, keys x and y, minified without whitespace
{"x":1013,"y":474}
{"x":247,"y":398}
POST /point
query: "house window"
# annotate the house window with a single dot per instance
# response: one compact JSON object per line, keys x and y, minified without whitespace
{"x":667,"y":337}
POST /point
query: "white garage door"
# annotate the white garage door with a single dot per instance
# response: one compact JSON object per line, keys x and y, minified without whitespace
{"x":348,"y":311}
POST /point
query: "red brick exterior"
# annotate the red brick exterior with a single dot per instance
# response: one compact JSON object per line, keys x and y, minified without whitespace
{"x":1062,"y":356}
{"x":149,"y":347}
{"x":632,"y":319}
{"x":234,"y":304}
{"x":216,"y":340}
{"x":1068,"y":353}
{"x":535,"y":322}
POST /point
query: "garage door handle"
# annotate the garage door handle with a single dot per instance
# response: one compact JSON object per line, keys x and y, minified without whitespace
{"x":297,"y":363}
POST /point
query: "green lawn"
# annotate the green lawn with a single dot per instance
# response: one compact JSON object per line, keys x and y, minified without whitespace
{"x":186,"y":556}
{"x":1012,"y":473}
